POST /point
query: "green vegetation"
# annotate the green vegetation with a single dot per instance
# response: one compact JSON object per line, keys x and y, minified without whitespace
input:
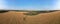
{"x":3,"y":11}
{"x":30,"y":12}
{"x":37,"y":12}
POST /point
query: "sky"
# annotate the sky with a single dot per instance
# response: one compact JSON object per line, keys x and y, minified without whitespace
{"x":30,"y":4}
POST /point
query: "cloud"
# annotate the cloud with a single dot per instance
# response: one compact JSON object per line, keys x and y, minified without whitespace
{"x":2,"y":4}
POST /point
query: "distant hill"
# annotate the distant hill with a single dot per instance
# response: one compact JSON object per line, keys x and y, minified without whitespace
{"x":42,"y":11}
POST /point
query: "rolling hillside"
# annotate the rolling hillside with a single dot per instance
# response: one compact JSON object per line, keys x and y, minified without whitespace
{"x":13,"y":17}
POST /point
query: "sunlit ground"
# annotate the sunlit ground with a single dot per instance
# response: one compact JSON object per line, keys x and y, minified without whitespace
{"x":13,"y":17}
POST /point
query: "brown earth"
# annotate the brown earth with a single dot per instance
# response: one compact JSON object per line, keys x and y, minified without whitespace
{"x":18,"y":18}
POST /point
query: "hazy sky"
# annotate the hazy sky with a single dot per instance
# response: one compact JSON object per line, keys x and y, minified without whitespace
{"x":30,"y":4}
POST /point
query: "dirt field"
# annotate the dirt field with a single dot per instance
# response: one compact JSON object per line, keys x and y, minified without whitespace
{"x":18,"y":18}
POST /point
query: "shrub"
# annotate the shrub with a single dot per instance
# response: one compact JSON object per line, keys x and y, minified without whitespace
{"x":3,"y":11}
{"x":32,"y":13}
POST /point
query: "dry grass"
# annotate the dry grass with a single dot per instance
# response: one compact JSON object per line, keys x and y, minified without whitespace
{"x":11,"y":18}
{"x":17,"y":18}
{"x":45,"y":18}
